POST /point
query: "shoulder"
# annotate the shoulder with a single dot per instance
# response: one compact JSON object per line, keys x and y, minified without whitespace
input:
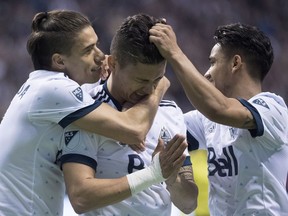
{"x":265,"y":99}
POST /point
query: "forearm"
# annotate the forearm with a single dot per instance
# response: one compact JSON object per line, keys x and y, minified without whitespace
{"x":201,"y":93}
{"x":97,"y":193}
{"x":184,"y":191}
{"x":87,"y":192}
{"x":130,"y":126}
{"x":207,"y":99}
{"x":143,"y":113}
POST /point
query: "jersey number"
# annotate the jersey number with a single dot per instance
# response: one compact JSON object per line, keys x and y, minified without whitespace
{"x":227,"y":165}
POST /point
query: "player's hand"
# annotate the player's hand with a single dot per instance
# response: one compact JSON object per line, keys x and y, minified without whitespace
{"x":163,"y":36}
{"x":138,"y":147}
{"x":172,"y":155}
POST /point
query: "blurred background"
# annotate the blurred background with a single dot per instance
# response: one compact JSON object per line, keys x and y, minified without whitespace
{"x":194,"y":22}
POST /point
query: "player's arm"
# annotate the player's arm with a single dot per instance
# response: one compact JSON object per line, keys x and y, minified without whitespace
{"x":201,"y":93}
{"x":86,"y":192}
{"x":183,"y":190}
{"x":130,"y":126}
{"x":180,"y":183}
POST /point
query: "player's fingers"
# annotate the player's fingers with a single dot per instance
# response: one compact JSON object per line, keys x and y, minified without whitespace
{"x":178,"y":152}
{"x":138,"y":147}
{"x":175,"y":142}
{"x":179,"y":162}
{"x":159,"y":147}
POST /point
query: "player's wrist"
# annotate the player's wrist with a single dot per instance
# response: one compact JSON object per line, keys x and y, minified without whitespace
{"x":144,"y":178}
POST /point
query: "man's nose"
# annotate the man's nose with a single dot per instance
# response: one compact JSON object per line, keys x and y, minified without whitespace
{"x":99,"y":55}
{"x":207,"y":75}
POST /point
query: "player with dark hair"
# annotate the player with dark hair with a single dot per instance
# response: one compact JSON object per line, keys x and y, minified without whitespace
{"x":106,"y":177}
{"x":63,"y":48}
{"x":244,"y":129}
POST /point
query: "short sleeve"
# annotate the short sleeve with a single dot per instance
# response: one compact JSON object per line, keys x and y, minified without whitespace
{"x":195,"y":130}
{"x":59,"y":98}
{"x":274,"y":118}
{"x":79,"y":146}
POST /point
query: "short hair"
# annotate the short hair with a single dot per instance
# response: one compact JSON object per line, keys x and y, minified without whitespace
{"x":54,"y":32}
{"x":131,"y":42}
{"x":251,"y":43}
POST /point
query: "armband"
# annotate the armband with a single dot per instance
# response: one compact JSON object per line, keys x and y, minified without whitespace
{"x":144,"y":178}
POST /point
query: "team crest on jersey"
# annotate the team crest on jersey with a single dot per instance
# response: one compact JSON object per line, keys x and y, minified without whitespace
{"x":233,"y":132}
{"x":260,"y":102}
{"x":165,"y":135}
{"x":78,"y":93}
{"x":68,"y":136}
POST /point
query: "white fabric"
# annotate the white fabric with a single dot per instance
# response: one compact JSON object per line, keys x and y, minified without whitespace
{"x":145,"y":178}
{"x":247,"y":175}
{"x":115,"y":159}
{"x":30,"y":181}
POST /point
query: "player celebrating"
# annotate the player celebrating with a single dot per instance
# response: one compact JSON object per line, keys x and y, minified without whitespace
{"x":244,"y":129}
{"x":63,"y":49}
{"x":106,"y":177}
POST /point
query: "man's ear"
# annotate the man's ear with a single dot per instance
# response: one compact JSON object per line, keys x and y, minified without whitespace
{"x":237,"y":62}
{"x":111,"y":63}
{"x":58,"y":62}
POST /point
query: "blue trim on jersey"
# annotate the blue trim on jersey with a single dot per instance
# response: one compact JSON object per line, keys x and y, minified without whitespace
{"x":77,"y":158}
{"x":116,"y":103}
{"x":187,"y":161}
{"x":259,"y":130}
{"x":193,"y":143}
{"x":78,"y":114}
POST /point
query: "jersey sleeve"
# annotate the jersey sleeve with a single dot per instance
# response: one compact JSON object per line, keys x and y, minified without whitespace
{"x":271,"y":119}
{"x":183,"y":130}
{"x":79,"y":146}
{"x":61,"y":99}
{"x":195,"y":130}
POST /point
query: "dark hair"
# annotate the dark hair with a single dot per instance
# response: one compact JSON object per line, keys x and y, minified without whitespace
{"x":131,"y":43}
{"x":249,"y":42}
{"x":53,"y":32}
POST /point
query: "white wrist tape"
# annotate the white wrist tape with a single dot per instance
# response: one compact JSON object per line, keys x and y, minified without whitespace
{"x":144,"y":178}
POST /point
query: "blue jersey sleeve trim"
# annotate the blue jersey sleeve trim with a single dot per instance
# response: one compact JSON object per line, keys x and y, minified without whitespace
{"x":259,"y":130}
{"x":78,"y":114}
{"x":193,"y":144}
{"x":187,"y":161}
{"x":77,"y":158}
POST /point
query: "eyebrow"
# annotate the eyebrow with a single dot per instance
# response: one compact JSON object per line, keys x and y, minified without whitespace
{"x":89,"y":47}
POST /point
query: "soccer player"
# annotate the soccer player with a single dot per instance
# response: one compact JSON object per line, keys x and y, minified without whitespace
{"x":106,"y":177}
{"x":244,"y":129}
{"x":63,"y":48}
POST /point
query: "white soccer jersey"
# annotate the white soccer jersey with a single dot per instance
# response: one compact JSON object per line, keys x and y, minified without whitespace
{"x":247,"y":168}
{"x":30,"y":181}
{"x":112,"y":159}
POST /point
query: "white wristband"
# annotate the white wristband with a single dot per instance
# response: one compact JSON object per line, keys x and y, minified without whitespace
{"x":144,"y":178}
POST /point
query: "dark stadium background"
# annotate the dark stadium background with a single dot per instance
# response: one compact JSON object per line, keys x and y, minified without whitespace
{"x":193,"y":20}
